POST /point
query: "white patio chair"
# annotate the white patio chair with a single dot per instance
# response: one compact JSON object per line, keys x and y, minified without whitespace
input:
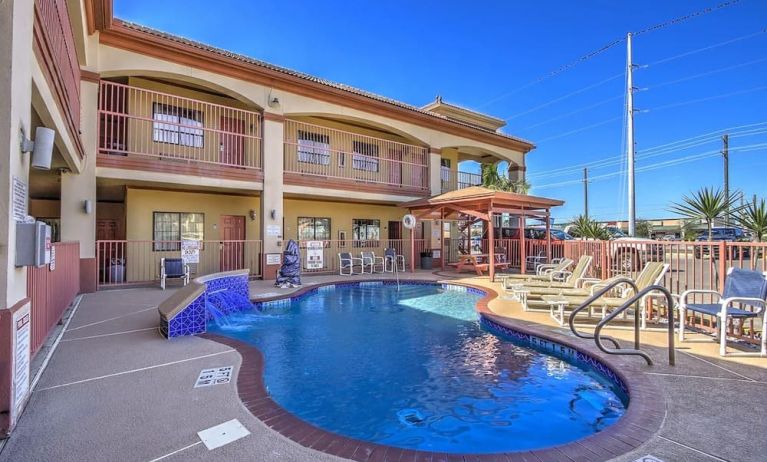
{"x":373,"y":262}
{"x":347,"y":262}
{"x":393,"y":261}
{"x":173,"y":268}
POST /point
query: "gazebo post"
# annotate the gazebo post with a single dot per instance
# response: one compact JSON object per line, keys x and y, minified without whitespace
{"x":412,"y":250}
{"x":491,"y":244}
{"x":442,"y":238}
{"x":548,"y":236}
{"x":522,"y":245}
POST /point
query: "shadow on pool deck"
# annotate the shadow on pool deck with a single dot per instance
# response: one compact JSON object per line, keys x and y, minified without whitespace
{"x":116,"y":390}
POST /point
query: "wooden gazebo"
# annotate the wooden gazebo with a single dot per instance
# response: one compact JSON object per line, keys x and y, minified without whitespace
{"x":482,"y":204}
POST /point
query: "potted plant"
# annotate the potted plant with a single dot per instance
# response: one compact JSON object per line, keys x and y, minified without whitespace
{"x":426,"y":259}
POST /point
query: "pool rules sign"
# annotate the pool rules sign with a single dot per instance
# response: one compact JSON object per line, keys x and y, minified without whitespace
{"x":21,"y":332}
{"x":314,"y":253}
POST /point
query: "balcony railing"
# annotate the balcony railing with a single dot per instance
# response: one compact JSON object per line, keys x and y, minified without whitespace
{"x":53,"y":33}
{"x":452,"y":180}
{"x":148,"y":130}
{"x":326,"y":157}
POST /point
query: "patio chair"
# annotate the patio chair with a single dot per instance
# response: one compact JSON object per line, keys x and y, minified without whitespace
{"x":572,"y":279}
{"x":532,"y":261}
{"x":743,"y":287}
{"x":393,"y":261}
{"x":173,"y":268}
{"x":546,"y":272}
{"x":370,"y":260}
{"x":651,"y":274}
{"x":347,"y":262}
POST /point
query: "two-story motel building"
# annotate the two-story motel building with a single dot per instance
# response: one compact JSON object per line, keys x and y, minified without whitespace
{"x":159,"y":139}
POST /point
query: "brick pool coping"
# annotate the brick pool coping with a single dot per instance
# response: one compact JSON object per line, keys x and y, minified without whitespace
{"x":643,"y":417}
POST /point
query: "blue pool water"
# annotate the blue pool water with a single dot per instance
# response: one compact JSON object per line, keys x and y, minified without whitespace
{"x":414,"y":369}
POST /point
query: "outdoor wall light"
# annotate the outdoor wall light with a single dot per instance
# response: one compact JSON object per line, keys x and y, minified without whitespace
{"x":41,"y":148}
{"x":272,"y":100}
{"x":273,"y":214}
{"x":252,"y":214}
{"x":88,"y":206}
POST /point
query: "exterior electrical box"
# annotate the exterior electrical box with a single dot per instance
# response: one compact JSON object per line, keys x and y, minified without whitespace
{"x":33,"y":244}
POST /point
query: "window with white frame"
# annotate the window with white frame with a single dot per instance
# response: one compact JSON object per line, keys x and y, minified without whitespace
{"x":364,"y":156}
{"x":169,"y":228}
{"x":175,"y":125}
{"x":313,"y":148}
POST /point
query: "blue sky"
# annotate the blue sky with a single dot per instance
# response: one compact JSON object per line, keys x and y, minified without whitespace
{"x":484,"y":55}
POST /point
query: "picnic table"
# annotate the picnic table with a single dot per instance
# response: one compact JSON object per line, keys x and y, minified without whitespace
{"x":478,"y":262}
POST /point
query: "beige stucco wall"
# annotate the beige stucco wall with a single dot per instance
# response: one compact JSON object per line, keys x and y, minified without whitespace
{"x":340,"y":214}
{"x":141,"y":203}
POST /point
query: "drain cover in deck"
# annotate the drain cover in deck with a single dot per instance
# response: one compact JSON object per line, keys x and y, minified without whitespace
{"x":223,"y":434}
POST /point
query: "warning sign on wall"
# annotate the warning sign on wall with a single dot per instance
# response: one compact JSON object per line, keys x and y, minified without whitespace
{"x":314,"y":254}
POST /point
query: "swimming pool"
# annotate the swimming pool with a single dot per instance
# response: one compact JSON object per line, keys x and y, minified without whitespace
{"x":415,"y":369}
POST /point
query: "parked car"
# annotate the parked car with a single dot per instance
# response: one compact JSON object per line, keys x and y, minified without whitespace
{"x":536,"y":234}
{"x":720,"y":234}
{"x":632,"y":253}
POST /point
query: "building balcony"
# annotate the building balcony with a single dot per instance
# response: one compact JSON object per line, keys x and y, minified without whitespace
{"x":143,"y":129}
{"x":323,"y":157}
{"x":452,"y":180}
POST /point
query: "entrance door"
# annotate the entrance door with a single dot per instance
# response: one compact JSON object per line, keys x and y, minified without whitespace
{"x":232,"y":232}
{"x":232,"y":144}
{"x":395,"y":230}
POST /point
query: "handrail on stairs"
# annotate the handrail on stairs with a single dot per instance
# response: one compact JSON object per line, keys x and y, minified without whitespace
{"x":638,"y":294}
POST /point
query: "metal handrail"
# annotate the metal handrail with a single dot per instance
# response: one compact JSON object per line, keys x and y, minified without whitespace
{"x":636,"y":351}
{"x":591,"y":300}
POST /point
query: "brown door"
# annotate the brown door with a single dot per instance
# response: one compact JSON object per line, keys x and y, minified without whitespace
{"x":395,"y":230}
{"x":232,"y":232}
{"x":395,"y":168}
{"x":232,"y":144}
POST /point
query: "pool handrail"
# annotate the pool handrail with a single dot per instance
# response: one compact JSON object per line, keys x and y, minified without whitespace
{"x":596,"y":295}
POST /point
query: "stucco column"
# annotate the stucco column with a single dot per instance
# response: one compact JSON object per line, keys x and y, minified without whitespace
{"x":272,"y":230}
{"x":431,"y":229}
{"x":516,"y":172}
{"x":16,"y":21}
{"x":76,"y":188}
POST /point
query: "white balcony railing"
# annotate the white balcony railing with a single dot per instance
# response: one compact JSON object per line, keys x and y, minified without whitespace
{"x":145,"y":127}
{"x":315,"y":154}
{"x":452,"y":180}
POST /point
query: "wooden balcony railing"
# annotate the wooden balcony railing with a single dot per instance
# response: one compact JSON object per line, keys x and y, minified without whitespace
{"x":141,"y":129}
{"x":56,"y":44}
{"x":452,"y":180}
{"x":330,"y":158}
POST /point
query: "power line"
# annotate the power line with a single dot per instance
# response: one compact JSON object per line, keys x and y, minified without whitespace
{"x":674,"y":21}
{"x":668,"y":163}
{"x":706,"y":48}
{"x":598,"y":51}
{"x":734,"y":131}
{"x":708,"y":98}
{"x":561,"y":98}
{"x":704,"y":74}
{"x":578,"y":130}
{"x":562,"y":116}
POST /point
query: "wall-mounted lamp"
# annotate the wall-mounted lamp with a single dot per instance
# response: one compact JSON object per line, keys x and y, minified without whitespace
{"x":252,"y":215}
{"x":41,"y":148}
{"x":273,"y":214}
{"x":272,"y":100}
{"x":88,"y":206}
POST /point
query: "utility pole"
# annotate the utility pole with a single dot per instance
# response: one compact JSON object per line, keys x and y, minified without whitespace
{"x":630,"y":136}
{"x":586,"y":193}
{"x":726,"y":166}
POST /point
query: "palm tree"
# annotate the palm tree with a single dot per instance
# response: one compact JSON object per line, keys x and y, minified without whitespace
{"x":705,"y":205}
{"x":491,"y":179}
{"x":587,"y":228}
{"x":753,"y":217}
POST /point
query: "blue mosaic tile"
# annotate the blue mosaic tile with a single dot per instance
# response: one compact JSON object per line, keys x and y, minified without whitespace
{"x":556,"y":349}
{"x":190,"y":321}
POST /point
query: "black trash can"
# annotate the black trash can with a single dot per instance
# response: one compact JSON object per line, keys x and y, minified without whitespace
{"x":426,"y":260}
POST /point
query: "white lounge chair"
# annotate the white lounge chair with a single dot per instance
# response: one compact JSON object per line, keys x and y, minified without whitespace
{"x":743,"y":287}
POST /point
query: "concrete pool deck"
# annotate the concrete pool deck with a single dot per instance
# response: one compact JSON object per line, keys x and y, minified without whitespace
{"x":116,"y":390}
